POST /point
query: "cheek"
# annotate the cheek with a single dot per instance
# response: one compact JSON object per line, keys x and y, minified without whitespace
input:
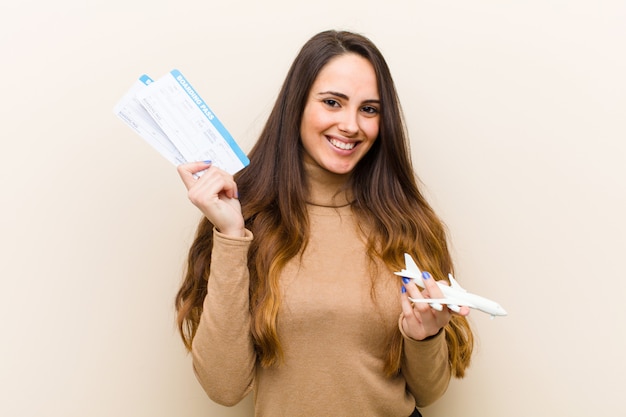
{"x":371,"y":128}
{"x":320,"y":121}
{"x":311,"y":129}
{"x":371,"y":132}
{"x":314,"y":112}
{"x":312,"y":122}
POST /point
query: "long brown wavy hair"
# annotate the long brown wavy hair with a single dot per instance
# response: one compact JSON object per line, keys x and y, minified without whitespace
{"x":272,"y":192}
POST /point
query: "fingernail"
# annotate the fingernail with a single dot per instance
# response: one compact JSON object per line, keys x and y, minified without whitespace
{"x":207,"y":162}
{"x":426,"y":275}
{"x":406,"y":280}
{"x":403,"y":289}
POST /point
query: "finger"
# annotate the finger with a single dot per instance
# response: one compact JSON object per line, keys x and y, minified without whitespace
{"x":411,"y":288}
{"x":408,"y":288}
{"x":223,"y":183}
{"x":419,"y":295}
{"x":418,"y":318}
{"x":414,"y":292}
{"x":434,"y":291}
{"x":214,"y":187}
{"x":463,"y":311}
{"x":431,"y":287}
{"x":188,"y":172}
{"x":407,"y":306}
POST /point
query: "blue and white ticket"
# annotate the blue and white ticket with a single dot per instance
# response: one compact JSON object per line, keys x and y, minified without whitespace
{"x":130,"y":110}
{"x":171,"y":116}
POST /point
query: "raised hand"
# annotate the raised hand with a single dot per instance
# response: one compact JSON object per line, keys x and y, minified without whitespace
{"x":214,"y":192}
{"x":421,"y":320}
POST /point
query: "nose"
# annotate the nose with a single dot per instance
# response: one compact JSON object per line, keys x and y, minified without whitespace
{"x":349,"y":123}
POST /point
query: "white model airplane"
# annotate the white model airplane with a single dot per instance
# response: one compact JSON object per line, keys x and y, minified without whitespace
{"x":454,"y":295}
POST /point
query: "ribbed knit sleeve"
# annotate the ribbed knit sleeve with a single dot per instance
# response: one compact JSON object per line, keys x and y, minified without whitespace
{"x":223,"y":353}
{"x":425,"y":367}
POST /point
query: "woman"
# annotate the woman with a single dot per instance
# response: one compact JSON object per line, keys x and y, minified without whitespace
{"x":290,"y":290}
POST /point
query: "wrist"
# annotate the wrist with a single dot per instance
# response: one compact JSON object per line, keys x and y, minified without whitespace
{"x":236,"y":233}
{"x":427,"y":338}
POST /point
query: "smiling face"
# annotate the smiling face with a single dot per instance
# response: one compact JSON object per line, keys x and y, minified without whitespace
{"x":341,"y":117}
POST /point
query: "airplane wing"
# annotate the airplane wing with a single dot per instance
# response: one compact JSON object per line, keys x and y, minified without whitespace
{"x":436,"y":303}
{"x":446,"y":301}
{"x":409,"y":274}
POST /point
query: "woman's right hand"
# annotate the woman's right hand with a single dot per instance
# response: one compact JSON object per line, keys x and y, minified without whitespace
{"x":214,"y":192}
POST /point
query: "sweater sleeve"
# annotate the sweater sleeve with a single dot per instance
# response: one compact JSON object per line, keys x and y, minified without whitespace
{"x":223,"y":352}
{"x":425,"y":367}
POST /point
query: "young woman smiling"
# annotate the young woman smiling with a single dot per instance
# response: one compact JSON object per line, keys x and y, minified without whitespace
{"x":289,"y":290}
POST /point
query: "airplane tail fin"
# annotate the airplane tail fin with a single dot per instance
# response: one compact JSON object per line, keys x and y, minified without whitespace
{"x":410,"y":265}
{"x":454,"y":284}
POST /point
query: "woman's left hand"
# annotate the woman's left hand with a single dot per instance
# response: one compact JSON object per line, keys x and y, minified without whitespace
{"x":420,"y":320}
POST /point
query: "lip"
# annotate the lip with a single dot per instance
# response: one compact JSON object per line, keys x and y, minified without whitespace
{"x":331,"y":138}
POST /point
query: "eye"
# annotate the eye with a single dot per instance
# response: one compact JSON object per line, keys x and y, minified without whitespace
{"x":331,"y":102}
{"x":370,"y":110}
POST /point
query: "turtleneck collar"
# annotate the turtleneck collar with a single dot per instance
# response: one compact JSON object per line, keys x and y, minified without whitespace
{"x":326,"y":189}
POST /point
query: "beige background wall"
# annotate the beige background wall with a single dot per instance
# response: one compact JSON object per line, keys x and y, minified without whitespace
{"x":516,"y":111}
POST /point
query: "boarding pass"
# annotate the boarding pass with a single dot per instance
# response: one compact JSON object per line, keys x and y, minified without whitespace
{"x":172,"y":117}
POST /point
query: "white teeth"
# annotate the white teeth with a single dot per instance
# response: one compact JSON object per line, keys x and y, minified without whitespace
{"x":342,"y":145}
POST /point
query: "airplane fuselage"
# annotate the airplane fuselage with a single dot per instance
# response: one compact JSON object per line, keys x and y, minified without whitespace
{"x":453,"y":295}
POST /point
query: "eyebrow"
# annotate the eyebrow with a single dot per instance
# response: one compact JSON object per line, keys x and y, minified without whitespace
{"x":345,"y":97}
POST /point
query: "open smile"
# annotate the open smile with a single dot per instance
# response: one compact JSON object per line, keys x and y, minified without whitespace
{"x":342,"y":145}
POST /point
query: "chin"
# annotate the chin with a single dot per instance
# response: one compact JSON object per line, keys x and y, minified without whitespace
{"x":340,"y":170}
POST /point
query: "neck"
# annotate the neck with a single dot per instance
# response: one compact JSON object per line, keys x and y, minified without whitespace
{"x":326,"y":188}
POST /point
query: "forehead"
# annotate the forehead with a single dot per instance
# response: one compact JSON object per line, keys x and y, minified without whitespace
{"x":348,"y":73}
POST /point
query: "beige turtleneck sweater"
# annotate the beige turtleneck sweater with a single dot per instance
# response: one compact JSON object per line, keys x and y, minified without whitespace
{"x":334,"y":334}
